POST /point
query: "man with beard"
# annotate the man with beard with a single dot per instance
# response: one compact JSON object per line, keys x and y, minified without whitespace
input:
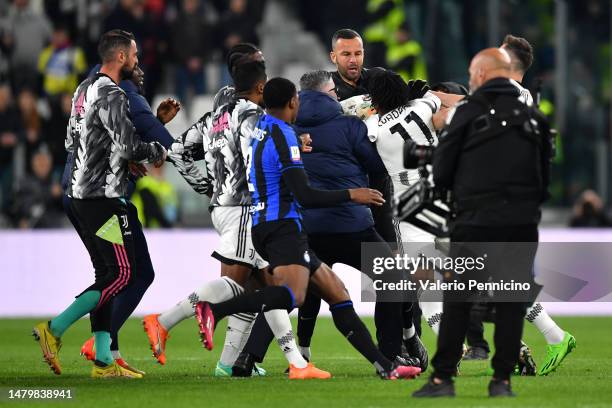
{"x":351,"y":81}
{"x":150,"y":128}
{"x":103,"y":141}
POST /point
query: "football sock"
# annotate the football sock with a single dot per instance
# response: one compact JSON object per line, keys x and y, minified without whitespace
{"x":103,"y":342}
{"x":281,"y":327}
{"x":351,"y":327}
{"x":82,"y":305}
{"x":432,"y":313}
{"x":389,"y":323}
{"x":260,"y":338}
{"x":545,"y":324}
{"x":268,"y":298}
{"x":214,"y":291}
{"x":238,"y":330}
{"x":116,"y":354}
{"x":307,"y":318}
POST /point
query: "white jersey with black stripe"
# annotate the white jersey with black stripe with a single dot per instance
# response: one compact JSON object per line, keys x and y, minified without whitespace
{"x":412,"y":121}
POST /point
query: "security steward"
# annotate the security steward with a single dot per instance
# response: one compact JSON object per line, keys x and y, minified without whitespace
{"x":494,"y":155}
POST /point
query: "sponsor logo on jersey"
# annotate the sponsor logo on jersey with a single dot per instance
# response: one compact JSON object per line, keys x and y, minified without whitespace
{"x":258,"y":207}
{"x":258,"y":134}
{"x":295,"y":153}
{"x":217,"y":143}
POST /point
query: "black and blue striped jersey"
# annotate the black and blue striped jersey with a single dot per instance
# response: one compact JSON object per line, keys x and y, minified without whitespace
{"x":274,"y":149}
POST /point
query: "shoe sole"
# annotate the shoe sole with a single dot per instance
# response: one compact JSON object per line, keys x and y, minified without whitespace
{"x":156,"y":355}
{"x":206,"y":325}
{"x":54,"y":368}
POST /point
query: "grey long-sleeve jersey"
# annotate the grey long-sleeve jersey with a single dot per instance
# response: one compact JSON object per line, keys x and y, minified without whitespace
{"x":103,"y":141}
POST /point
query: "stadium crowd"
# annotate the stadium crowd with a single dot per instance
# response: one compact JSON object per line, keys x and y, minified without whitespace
{"x":47,"y":47}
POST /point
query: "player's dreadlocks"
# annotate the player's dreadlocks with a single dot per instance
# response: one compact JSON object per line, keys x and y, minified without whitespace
{"x":388,"y":91}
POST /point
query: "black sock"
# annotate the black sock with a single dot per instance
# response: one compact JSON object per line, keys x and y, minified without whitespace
{"x":269,"y":298}
{"x":307,"y":318}
{"x":351,"y":326}
{"x":100,"y":363}
{"x":260,"y":338}
{"x":388,"y":317}
{"x":114,"y":341}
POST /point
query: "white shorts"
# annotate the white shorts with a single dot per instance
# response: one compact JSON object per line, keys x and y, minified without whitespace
{"x":233,"y":224}
{"x":410,"y":233}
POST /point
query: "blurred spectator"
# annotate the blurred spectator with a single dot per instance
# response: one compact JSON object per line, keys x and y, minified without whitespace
{"x":38,"y":202}
{"x":236,"y":26}
{"x":55,"y":131}
{"x":31,"y":122}
{"x":61,"y":64}
{"x":25,"y":34}
{"x":150,"y":33}
{"x":156,"y":200}
{"x":405,"y":55}
{"x":191,"y":46}
{"x":10,"y":128}
{"x":589,"y":212}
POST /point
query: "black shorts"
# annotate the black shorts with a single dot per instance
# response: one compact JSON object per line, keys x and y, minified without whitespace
{"x":283,"y":242}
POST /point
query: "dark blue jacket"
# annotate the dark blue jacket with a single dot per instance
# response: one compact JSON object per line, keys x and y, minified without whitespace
{"x":148,"y":127}
{"x":342,"y":157}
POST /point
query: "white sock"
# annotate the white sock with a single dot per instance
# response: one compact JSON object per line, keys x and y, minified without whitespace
{"x":409,"y":333}
{"x":280,"y":324}
{"x":214,"y":291}
{"x":116,"y":354}
{"x":305,"y":351}
{"x":238,"y":330}
{"x":432,"y":313}
{"x":545,"y":324}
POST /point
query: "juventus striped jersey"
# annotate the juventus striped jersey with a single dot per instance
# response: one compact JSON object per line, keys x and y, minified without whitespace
{"x":102,"y":140}
{"x":224,"y":137}
{"x":411,"y":121}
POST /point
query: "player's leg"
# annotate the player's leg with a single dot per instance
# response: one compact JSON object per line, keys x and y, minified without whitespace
{"x":238,"y":325}
{"x":126,"y":302}
{"x":332,"y":290}
{"x":231,"y":224}
{"x":106,"y":233}
{"x":307,"y":319}
{"x":560,"y":342}
{"x":234,"y":226}
{"x":285,"y":246}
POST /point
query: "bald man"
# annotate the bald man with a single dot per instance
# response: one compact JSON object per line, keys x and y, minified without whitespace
{"x":496,"y":163}
{"x":559,"y":342}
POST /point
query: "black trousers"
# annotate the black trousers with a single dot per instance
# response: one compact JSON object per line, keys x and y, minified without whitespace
{"x":509,"y":316}
{"x":346,"y":249}
{"x":102,"y":225}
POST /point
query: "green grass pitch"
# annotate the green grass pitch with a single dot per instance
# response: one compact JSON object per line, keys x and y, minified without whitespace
{"x":584,"y":379}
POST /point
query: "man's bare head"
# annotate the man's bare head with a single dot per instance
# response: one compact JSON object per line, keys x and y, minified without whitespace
{"x":488,"y":64}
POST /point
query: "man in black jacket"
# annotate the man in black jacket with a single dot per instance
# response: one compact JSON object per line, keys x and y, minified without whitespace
{"x":494,"y":156}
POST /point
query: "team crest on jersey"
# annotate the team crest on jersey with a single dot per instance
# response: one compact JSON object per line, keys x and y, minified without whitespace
{"x":295,"y":153}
